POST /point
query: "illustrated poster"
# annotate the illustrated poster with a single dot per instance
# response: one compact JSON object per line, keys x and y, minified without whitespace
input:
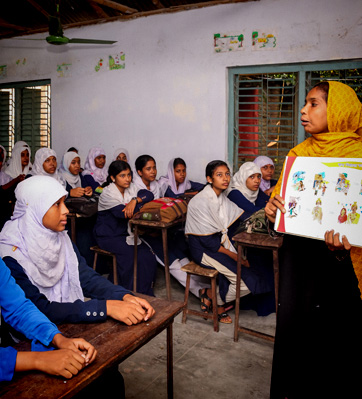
{"x":322,"y":194}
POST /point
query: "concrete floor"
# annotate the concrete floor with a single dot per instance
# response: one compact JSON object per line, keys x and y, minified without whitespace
{"x":206,"y":364}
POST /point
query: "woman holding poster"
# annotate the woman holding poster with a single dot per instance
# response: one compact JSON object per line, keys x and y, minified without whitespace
{"x":319,"y":317}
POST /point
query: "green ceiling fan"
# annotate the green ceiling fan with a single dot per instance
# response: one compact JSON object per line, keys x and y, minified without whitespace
{"x":57,"y":37}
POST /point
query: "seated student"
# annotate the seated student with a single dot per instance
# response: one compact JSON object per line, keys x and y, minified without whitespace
{"x":7,"y":188}
{"x":49,"y":268}
{"x":211,"y":221}
{"x":95,"y":173}
{"x":145,"y":178}
{"x":244,"y":191}
{"x":177,"y":181}
{"x":119,"y":200}
{"x":45,"y":164}
{"x":70,"y":170}
{"x":19,"y":162}
{"x":121,"y":154}
{"x":267,"y":168}
{"x":21,"y":314}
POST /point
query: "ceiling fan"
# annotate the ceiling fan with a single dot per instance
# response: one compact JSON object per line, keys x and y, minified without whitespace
{"x":56,"y":35}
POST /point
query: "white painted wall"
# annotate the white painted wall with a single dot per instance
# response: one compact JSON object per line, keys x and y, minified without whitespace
{"x":171,"y":99}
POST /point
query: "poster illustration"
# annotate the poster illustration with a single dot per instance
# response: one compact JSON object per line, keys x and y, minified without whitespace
{"x":117,"y":61}
{"x":3,"y":71}
{"x":322,"y":194}
{"x":263,"y":41}
{"x":64,"y":70}
{"x":228,"y":42}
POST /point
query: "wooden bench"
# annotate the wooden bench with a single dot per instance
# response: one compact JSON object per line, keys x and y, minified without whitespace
{"x":103,"y":252}
{"x":194,"y":268}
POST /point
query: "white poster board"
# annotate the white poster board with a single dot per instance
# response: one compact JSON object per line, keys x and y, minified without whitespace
{"x":322,"y":194}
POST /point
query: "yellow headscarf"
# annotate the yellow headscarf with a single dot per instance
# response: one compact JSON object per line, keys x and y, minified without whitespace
{"x":344,"y":139}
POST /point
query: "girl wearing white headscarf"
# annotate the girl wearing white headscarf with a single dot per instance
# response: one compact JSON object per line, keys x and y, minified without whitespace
{"x":267,"y":168}
{"x":19,"y":162}
{"x":119,"y":200}
{"x":48,"y":267}
{"x":70,"y":171}
{"x":121,"y":154}
{"x":45,"y":164}
{"x":95,"y":173}
{"x":177,"y":181}
{"x":244,"y":191}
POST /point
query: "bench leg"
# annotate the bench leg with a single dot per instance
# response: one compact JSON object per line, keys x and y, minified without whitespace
{"x":187,"y":290}
{"x":95,"y":261}
{"x":214,"y":305}
{"x":115,"y":274}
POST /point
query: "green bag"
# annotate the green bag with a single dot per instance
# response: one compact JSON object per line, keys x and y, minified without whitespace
{"x":256,"y":223}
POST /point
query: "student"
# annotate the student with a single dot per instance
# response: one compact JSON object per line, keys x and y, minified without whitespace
{"x":319,"y":317}
{"x":49,"y":268}
{"x":145,"y":178}
{"x":119,"y":200}
{"x":7,"y":188}
{"x":19,"y":162}
{"x":245,"y":191}
{"x":121,"y":154}
{"x":21,"y":314}
{"x":95,"y":173}
{"x":45,"y":164}
{"x":267,"y":168}
{"x":211,"y":217}
{"x":177,"y":181}
{"x":70,"y":171}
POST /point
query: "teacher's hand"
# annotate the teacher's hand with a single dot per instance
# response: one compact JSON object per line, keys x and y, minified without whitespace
{"x":273,"y":205}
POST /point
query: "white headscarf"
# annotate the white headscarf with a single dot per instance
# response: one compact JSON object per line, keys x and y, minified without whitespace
{"x":170,"y":180}
{"x":238,"y":181}
{"x":14,"y":168}
{"x":98,"y":174}
{"x":112,"y":197}
{"x":157,"y":188}
{"x":4,"y":178}
{"x":208,"y":214}
{"x":38,"y":170}
{"x":261,"y":161}
{"x":120,"y":151}
{"x":47,"y":257}
{"x":73,"y":180}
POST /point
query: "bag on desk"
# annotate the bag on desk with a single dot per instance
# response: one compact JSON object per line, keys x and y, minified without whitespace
{"x":162,"y":209}
{"x":256,"y":223}
{"x":82,"y":206}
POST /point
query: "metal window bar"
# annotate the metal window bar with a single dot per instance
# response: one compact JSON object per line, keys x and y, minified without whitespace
{"x":7,"y":119}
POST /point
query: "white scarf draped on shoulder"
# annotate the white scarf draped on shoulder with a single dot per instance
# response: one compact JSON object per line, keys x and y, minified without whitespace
{"x":112,"y":197}
{"x":208,"y":214}
{"x":157,"y":188}
{"x":47,"y":257}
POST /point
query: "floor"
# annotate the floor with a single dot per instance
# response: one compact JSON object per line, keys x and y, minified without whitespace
{"x":206,"y":364}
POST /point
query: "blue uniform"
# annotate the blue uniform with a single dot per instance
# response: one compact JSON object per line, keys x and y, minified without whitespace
{"x":22,"y":315}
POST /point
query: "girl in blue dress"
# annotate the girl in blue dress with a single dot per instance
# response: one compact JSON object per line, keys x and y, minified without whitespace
{"x":120,"y":199}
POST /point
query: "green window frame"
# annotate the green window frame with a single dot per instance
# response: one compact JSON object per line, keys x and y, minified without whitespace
{"x":25,"y":114}
{"x":265,"y":103}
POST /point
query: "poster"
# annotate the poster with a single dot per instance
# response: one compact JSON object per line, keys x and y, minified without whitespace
{"x":228,"y":42}
{"x":117,"y":61}
{"x":322,"y":194}
{"x":263,"y":41}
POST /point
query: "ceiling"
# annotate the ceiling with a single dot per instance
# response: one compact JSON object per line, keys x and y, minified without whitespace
{"x":24,"y":17}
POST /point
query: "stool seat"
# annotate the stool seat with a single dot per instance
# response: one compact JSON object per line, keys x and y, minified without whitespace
{"x":195,"y":269}
{"x":104,"y":252}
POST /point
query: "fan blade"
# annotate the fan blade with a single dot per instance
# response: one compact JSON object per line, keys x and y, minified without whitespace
{"x":91,"y":41}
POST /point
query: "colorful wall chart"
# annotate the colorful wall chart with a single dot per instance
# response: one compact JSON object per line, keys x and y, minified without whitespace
{"x":117,"y":61}
{"x":64,"y":70}
{"x":263,"y":41}
{"x":228,"y":42}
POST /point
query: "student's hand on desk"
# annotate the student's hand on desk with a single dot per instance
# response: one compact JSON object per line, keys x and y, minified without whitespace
{"x":126,"y":311}
{"x":333,"y":242}
{"x":78,"y":345}
{"x":145,"y":304}
{"x":273,"y":205}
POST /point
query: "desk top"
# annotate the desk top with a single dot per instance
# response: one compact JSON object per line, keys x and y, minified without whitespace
{"x":156,"y":223}
{"x":114,"y":342}
{"x":258,"y":240}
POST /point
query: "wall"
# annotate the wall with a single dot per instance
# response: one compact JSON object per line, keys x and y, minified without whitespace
{"x":171,"y":98}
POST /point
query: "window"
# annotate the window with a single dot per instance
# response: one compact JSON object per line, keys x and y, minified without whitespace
{"x":265,"y":103}
{"x":25,"y":114}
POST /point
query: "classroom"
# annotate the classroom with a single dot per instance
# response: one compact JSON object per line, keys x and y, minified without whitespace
{"x":201,"y":81}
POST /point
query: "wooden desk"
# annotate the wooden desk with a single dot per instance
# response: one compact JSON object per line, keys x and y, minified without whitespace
{"x":262,"y":241}
{"x":72,"y":217}
{"x":114,"y":342}
{"x":136,"y":223}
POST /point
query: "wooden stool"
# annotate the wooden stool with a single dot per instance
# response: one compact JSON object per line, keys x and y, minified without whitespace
{"x":100,"y":251}
{"x":193,"y":268}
